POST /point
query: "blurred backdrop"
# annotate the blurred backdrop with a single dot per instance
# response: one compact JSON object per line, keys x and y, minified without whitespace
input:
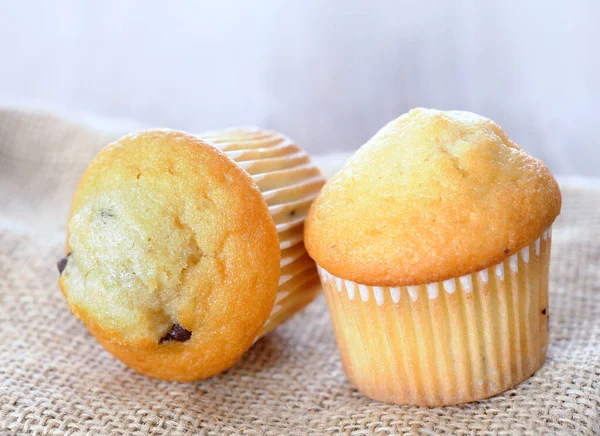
{"x":329,"y":73}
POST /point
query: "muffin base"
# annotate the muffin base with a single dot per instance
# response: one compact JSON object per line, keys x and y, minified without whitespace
{"x":444,"y":343}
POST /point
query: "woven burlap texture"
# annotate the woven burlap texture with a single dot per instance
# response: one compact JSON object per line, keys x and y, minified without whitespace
{"x":55,"y":378}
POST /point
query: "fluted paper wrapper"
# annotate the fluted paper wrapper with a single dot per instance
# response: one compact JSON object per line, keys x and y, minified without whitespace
{"x":449,"y":342}
{"x":289,"y":182}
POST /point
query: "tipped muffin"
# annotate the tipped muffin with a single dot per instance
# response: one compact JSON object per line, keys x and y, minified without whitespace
{"x":433,"y":246}
{"x":175,"y":250}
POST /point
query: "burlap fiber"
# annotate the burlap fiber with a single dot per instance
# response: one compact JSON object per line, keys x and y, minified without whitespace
{"x":55,"y":378}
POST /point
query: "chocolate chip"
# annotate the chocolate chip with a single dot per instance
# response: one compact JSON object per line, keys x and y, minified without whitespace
{"x":293,"y":212}
{"x":506,"y":251}
{"x":177,"y":333}
{"x":544,"y":311}
{"x":62,"y":264}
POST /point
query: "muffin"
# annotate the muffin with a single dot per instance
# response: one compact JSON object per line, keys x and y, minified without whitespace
{"x":433,"y":247}
{"x":176,"y":252}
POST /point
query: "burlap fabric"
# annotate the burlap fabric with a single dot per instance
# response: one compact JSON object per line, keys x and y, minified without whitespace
{"x":55,"y":379}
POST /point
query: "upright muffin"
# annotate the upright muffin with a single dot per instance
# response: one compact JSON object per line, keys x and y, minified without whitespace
{"x":175,"y":249}
{"x":433,"y":247}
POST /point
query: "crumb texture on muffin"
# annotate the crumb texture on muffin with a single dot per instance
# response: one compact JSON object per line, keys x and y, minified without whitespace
{"x":174,"y":261}
{"x":433,"y":195}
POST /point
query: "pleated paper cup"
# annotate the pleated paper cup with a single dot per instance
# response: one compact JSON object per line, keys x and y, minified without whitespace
{"x":289,"y":183}
{"x":449,"y":342}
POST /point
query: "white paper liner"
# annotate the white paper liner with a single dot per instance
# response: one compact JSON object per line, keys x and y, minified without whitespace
{"x":448,"y":342}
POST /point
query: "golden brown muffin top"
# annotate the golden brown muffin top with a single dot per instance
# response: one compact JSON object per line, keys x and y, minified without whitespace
{"x":433,"y":195}
{"x":175,"y":257}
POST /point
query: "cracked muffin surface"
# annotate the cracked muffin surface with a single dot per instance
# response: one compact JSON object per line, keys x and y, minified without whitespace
{"x":173,"y":258}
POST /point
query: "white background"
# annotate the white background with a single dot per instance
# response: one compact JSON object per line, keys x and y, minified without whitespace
{"x":327,"y":73}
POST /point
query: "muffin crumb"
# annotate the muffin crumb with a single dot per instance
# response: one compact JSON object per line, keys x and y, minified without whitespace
{"x":105,"y":215}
